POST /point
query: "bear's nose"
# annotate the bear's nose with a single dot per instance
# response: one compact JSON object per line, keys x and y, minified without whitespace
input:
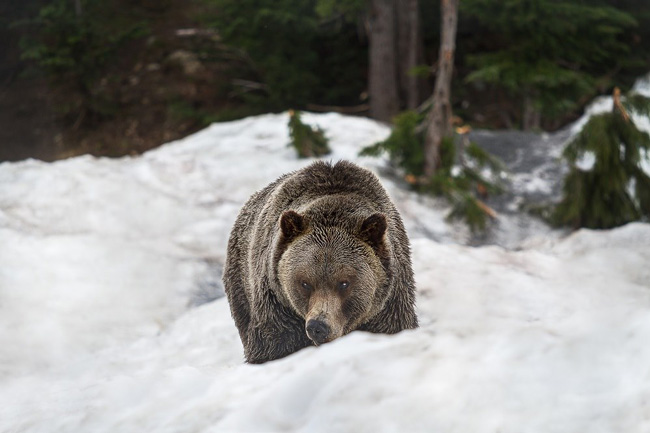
{"x":318,"y":331}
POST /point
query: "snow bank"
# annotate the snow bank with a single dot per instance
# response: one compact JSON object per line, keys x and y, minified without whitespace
{"x":101,"y":261}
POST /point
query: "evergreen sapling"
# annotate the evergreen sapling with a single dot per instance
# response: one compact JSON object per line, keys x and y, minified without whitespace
{"x":308,"y":141}
{"x":466,"y":176}
{"x":608,"y":184}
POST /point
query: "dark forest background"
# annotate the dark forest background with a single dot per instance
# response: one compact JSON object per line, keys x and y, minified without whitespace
{"x":120,"y":77}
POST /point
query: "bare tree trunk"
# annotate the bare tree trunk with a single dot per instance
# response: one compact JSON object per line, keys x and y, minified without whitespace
{"x":401,"y":50}
{"x":77,"y":8}
{"x":409,"y":51}
{"x":532,"y":118}
{"x":439,"y":119}
{"x":382,"y":80}
{"x":413,"y":94}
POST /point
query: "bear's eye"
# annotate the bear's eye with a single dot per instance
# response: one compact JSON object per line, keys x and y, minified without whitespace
{"x":306,"y":286}
{"x":343,"y":285}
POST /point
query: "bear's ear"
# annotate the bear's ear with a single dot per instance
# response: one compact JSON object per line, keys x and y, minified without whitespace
{"x":373,"y":229}
{"x":292,"y":224}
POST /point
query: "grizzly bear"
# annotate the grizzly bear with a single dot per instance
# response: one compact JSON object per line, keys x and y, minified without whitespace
{"x":317,"y":254}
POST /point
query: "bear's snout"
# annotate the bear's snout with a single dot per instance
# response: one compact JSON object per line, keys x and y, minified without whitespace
{"x":318,"y":331}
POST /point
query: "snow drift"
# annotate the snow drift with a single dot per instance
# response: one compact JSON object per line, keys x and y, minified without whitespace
{"x":105,"y":267}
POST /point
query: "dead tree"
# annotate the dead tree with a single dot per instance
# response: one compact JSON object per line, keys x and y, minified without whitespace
{"x":439,"y":119}
{"x":382,"y":79}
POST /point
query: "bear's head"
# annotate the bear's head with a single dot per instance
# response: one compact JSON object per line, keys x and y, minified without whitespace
{"x":334,"y":277}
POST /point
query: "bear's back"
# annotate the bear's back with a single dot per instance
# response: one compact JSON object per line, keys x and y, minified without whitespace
{"x":322,"y":179}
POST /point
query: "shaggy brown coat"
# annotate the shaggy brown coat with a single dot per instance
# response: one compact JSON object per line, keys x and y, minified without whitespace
{"x":325,"y":245}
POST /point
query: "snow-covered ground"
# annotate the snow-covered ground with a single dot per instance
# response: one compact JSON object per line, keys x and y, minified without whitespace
{"x":105,"y":267}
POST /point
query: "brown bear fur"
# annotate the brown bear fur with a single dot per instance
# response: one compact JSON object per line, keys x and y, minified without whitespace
{"x":318,"y":253}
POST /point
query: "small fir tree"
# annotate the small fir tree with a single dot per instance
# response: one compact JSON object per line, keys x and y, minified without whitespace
{"x":607,"y":185}
{"x":464,"y":177}
{"x":404,"y":145}
{"x":308,"y":141}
